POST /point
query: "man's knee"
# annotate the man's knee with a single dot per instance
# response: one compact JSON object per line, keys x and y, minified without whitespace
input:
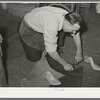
{"x":34,"y":57}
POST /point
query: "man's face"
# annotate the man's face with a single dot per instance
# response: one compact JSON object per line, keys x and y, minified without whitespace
{"x":68,"y":27}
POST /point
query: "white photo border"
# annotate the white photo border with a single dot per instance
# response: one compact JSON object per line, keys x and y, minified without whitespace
{"x":49,"y":92}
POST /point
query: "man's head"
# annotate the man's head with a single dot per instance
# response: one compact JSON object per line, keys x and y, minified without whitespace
{"x":72,"y":22}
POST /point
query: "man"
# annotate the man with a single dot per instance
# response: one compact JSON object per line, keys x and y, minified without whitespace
{"x":39,"y":30}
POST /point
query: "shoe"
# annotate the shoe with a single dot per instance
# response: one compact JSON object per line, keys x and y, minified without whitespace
{"x":92,"y":63}
{"x":51,"y":79}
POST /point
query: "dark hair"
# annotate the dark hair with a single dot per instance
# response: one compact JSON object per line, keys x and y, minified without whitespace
{"x":74,"y":17}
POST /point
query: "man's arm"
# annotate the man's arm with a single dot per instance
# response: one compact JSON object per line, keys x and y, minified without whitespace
{"x":50,"y":41}
{"x":78,"y":44}
{"x":60,"y":60}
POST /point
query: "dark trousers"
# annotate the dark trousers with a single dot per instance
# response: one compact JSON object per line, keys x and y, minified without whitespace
{"x":32,"y":41}
{"x":34,"y":54}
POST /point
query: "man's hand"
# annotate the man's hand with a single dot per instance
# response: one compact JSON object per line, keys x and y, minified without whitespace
{"x":77,"y":40}
{"x":59,"y":59}
{"x":78,"y":57}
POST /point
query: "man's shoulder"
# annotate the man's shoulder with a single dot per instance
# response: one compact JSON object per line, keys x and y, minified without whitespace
{"x":51,"y":9}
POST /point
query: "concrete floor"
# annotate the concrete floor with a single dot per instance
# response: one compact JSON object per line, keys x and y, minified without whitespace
{"x":18,"y":67}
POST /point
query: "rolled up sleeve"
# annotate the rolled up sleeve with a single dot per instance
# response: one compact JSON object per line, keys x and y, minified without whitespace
{"x":50,"y":35}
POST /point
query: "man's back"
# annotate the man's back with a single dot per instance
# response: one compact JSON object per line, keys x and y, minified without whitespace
{"x":38,"y":16}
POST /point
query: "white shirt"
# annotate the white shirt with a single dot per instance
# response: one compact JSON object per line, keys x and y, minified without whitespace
{"x":47,"y":20}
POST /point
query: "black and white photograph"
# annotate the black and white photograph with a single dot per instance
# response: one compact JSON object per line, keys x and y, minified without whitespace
{"x":50,"y":44}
